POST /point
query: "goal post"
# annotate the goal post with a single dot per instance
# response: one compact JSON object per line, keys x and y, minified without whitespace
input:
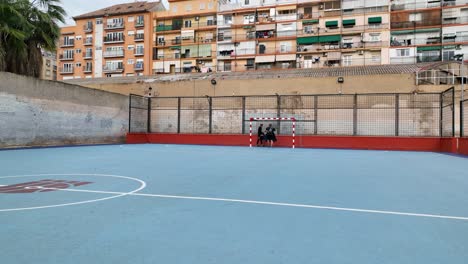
{"x":291,"y":119}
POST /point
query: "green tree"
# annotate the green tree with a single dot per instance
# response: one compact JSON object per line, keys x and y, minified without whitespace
{"x":27,"y":27}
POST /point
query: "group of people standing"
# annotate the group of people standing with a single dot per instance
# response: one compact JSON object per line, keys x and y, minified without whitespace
{"x":268,"y":137}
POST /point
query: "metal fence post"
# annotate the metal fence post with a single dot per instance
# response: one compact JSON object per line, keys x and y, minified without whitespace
{"x":278,"y":112}
{"x":148,"y":129}
{"x":397,"y":115}
{"x":243,"y":114}
{"x":453,"y":111}
{"x":178,"y":114}
{"x":355,"y":110}
{"x":316,"y":114}
{"x":210,"y":113}
{"x":462,"y":134}
{"x":130,"y":113}
{"x":441,"y":113}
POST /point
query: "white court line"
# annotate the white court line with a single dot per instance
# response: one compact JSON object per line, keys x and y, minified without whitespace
{"x":271,"y":203}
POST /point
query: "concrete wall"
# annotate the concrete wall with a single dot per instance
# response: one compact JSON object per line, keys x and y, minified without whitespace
{"x":386,"y":83}
{"x":35,"y":112}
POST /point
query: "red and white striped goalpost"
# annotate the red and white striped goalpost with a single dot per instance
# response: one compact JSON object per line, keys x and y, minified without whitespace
{"x":273,"y":119}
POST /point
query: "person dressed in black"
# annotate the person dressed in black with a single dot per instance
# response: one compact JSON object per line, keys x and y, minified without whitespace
{"x":268,"y":133}
{"x":260,"y":135}
{"x":272,"y":136}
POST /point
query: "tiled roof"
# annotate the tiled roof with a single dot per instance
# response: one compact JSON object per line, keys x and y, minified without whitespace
{"x":130,"y":8}
{"x":286,"y":73}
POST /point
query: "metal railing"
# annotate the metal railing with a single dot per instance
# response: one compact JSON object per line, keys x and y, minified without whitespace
{"x":395,"y":114}
{"x":464,"y":118}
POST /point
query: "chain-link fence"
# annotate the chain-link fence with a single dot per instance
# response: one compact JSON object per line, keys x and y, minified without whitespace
{"x":464,"y":118}
{"x":426,"y":114}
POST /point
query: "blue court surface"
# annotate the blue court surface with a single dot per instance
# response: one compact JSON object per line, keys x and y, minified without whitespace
{"x":204,"y":204}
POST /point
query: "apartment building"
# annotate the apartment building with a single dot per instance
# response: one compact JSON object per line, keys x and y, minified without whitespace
{"x":428,"y":30}
{"x":266,"y":34}
{"x":49,"y":66}
{"x":110,"y":42}
{"x":185,"y":37}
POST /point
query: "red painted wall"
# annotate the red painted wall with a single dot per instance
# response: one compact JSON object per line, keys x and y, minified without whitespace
{"x":338,"y":142}
{"x":463,"y":146}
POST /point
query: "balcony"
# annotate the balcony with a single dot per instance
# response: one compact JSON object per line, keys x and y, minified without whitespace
{"x":428,"y":58}
{"x":88,"y":55}
{"x":64,"y":57}
{"x":399,"y":42}
{"x":139,"y":66}
{"x":455,"y":38}
{"x":114,"y":53}
{"x":88,"y":69}
{"x":114,"y":69}
{"x":414,"y":5}
{"x":112,"y":26}
{"x":139,"y":23}
{"x":67,"y":70}
{"x":88,"y":42}
{"x":88,"y":28}
{"x":111,"y":40}
{"x":455,"y":20}
{"x":67,"y":43}
{"x":162,"y":28}
{"x":139,"y":37}
{"x":413,"y":24}
{"x":139,"y":52}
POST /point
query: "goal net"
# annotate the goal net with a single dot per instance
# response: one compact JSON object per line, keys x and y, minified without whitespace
{"x":289,"y":119}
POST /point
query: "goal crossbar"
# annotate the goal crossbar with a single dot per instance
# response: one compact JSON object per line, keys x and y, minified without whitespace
{"x":292,"y":119}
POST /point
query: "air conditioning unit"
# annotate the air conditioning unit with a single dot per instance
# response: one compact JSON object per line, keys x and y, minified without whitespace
{"x":325,"y":54}
{"x":361,"y":52}
{"x":321,"y":7}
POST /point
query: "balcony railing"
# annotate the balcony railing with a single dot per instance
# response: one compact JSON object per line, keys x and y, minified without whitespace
{"x":196,"y":25}
{"x":88,"y":42}
{"x":88,"y":55}
{"x":87,"y":69}
{"x":114,"y":39}
{"x":139,"y":52}
{"x":114,"y":25}
{"x":428,"y":58}
{"x":455,"y":20}
{"x":455,"y":39}
{"x":64,"y":57}
{"x":88,"y":28}
{"x":414,"y":41}
{"x":139,"y":23}
{"x":113,"y":53}
{"x":140,"y":37}
{"x":115,"y":69}
{"x":161,"y":28}
{"x":413,"y":24}
{"x":139,"y":66}
{"x":67,"y":70}
{"x":68,"y":43}
{"x":414,"y":5}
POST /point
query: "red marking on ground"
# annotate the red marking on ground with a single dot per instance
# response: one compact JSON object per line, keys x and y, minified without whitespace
{"x":40,"y":186}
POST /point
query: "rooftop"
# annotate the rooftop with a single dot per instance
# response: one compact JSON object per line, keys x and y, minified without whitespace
{"x":268,"y":74}
{"x":121,"y":9}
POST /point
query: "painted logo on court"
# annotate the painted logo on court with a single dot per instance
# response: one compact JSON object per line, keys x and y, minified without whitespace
{"x":41,"y":186}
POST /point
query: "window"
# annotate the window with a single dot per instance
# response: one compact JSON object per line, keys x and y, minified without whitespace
{"x":48,"y":63}
{"x":88,"y":53}
{"x":174,"y":9}
{"x":415,"y":17}
{"x":89,"y":39}
{"x":202,"y":6}
{"x":88,"y":67}
{"x":98,"y":21}
{"x":402,"y":52}
{"x":332,"y":5}
{"x":140,"y":21}
{"x":347,"y":60}
{"x":210,"y":5}
{"x":227,"y":19}
{"x":285,"y":47}
{"x":68,"y":54}
{"x":374,"y":37}
{"x":131,"y":47}
{"x":78,"y":51}
{"x":131,"y":61}
{"x":161,"y":40}
{"x":131,"y":33}
{"x":448,"y":55}
{"x":114,"y":37}
{"x":78,"y":38}
{"x":188,"y":23}
{"x":140,"y":50}
{"x":249,"y":19}
{"x":131,"y":19}
{"x":67,"y":67}
{"x":227,"y":66}
{"x":78,"y":64}
{"x":188,"y":8}
{"x":246,"y":2}
{"x":210,"y":21}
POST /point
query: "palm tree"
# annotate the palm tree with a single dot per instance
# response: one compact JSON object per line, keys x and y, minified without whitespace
{"x":27,"y":27}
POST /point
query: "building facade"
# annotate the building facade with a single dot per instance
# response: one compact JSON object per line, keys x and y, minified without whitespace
{"x":182,"y":36}
{"x":49,"y":66}
{"x":185,"y":37}
{"x":110,"y":42}
{"x":428,"y":30}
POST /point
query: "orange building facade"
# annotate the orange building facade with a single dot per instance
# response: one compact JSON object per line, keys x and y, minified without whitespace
{"x":111,"y":42}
